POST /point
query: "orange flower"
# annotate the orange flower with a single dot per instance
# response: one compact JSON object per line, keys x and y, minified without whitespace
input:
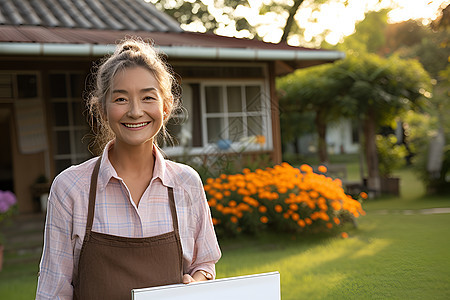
{"x":301,"y":223}
{"x":293,"y":206}
{"x":306,"y":168}
{"x":219,"y":196}
{"x":329,"y":225}
{"x":308,"y":221}
{"x":262,"y":209}
{"x":215,"y":221}
{"x":234,"y":219}
{"x":227,"y":193}
{"x":337,"y":221}
{"x":286,"y":215}
{"x":212,"y":202}
{"x":295,"y":217}
{"x":322,"y":169}
{"x":278,"y":208}
{"x":232,"y":203}
{"x":344,"y":235}
{"x":363,"y":195}
{"x":264,"y":219}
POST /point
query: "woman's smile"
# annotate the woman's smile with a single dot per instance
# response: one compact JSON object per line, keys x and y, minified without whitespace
{"x":135,"y":125}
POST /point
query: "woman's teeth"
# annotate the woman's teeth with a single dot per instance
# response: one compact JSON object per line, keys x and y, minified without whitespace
{"x":135,"y":125}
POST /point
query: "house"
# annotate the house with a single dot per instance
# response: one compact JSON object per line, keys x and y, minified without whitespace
{"x":48,"y":49}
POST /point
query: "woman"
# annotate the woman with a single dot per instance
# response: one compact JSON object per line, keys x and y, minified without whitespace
{"x":128,"y":219}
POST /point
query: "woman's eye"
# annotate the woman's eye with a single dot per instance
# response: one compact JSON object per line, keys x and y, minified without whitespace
{"x":120,"y":100}
{"x":149,"y":98}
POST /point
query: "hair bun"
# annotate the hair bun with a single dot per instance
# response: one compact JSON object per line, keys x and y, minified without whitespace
{"x":128,"y":47}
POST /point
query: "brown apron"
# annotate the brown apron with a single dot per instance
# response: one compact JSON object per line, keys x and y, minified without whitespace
{"x":111,"y":266}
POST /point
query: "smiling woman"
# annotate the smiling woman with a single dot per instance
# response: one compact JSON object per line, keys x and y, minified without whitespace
{"x":143,"y":220}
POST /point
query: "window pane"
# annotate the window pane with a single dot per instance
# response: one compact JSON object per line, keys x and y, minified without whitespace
{"x":58,"y":87}
{"x":255,"y":126}
{"x":62,"y":164}
{"x":234,"y":98}
{"x":27,"y":86}
{"x":6,"y":90}
{"x":215,"y":129}
{"x":60,"y":114}
{"x":62,"y":142}
{"x":253,"y":98}
{"x":235,"y":129}
{"x":214,"y":99}
{"x":81,"y":141}
{"x":76,"y":85}
{"x":78,"y":114}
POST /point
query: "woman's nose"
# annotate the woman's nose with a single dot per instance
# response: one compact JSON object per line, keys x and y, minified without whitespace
{"x":135,"y":110}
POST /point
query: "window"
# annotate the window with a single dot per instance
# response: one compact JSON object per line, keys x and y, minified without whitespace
{"x":223,"y":117}
{"x":70,"y":128}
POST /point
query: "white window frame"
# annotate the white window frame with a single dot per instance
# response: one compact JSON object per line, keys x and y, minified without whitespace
{"x":225,"y":115}
{"x":265,"y":114}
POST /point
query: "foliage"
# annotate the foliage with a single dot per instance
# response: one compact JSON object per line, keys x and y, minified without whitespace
{"x":391,"y":155}
{"x":369,"y":34}
{"x":357,"y":87}
{"x":214,"y":16}
{"x":282,"y":198}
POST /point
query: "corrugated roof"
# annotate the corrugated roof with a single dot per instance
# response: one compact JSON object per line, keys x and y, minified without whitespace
{"x":88,"y":14}
{"x":92,"y":27}
{"x":44,"y":35}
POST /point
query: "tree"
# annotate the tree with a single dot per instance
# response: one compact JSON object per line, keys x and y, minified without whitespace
{"x":382,"y":89}
{"x":369,"y":33}
{"x":311,"y":90}
{"x":223,"y":13}
{"x":368,"y":88}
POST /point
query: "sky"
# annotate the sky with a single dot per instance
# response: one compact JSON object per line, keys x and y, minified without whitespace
{"x":333,"y":18}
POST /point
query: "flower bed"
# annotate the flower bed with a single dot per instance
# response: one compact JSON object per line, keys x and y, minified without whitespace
{"x":282,"y":198}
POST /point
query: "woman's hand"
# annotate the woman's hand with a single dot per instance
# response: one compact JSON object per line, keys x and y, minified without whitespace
{"x":188,"y":279}
{"x":198,"y":276}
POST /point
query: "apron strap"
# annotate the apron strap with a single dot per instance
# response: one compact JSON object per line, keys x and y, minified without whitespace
{"x":92,"y":194}
{"x":173,"y":209}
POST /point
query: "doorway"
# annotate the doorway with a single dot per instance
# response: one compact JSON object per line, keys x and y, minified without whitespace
{"x":6,"y":159}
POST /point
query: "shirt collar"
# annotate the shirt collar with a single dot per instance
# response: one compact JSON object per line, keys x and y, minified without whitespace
{"x":107,"y":170}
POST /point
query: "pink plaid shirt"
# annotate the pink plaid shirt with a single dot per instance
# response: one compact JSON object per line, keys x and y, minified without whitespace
{"x":117,"y":214}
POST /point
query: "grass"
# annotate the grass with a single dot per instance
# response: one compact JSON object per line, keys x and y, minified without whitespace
{"x":391,"y":255}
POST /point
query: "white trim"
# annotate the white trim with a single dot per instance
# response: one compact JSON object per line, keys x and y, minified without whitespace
{"x":48,"y":49}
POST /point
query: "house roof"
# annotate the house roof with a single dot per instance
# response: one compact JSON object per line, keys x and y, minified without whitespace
{"x":93,"y":27}
{"x":88,"y":14}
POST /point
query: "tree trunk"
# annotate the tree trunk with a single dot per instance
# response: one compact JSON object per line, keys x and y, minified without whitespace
{"x":373,"y":177}
{"x":296,"y":147}
{"x":290,"y":20}
{"x":322,"y":145}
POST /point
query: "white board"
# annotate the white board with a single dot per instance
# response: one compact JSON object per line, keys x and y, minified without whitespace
{"x":264,"y":286}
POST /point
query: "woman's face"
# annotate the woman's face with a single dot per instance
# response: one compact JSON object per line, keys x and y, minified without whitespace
{"x":134,"y":107}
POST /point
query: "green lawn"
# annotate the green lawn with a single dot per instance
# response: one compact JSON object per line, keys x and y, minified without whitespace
{"x":391,"y":255}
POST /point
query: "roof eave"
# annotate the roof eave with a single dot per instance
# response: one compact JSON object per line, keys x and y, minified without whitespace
{"x":186,"y":52}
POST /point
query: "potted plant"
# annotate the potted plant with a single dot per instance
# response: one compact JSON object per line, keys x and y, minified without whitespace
{"x":7,"y":205}
{"x":391,"y":156}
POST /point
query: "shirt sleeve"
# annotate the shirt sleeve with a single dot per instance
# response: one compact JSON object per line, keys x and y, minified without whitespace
{"x":55,"y":275}
{"x":206,"y":248}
